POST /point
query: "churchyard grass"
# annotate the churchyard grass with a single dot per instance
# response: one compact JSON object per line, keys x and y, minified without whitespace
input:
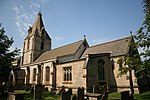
{"x":52,"y":96}
{"x":143,"y":96}
{"x":45,"y":95}
{"x":114,"y":95}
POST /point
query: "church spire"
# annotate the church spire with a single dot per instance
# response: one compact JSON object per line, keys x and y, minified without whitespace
{"x":38,"y":24}
{"x":36,"y":42}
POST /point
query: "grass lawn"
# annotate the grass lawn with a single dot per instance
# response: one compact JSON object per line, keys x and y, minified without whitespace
{"x":52,"y":96}
{"x":45,"y":95}
{"x":143,"y":96}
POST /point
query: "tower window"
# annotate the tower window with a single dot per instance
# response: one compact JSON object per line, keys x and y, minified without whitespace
{"x":28,"y":44}
{"x":42,"y":45}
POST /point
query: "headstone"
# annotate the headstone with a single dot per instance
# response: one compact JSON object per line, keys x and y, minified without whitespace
{"x":104,"y":96}
{"x":63,"y":95}
{"x":66,"y":95}
{"x":38,"y":92}
{"x":32,"y":89}
{"x":1,"y":88}
{"x":15,"y":96}
{"x":70,"y":91}
{"x":46,"y":89}
{"x":80,"y":94}
{"x":63,"y":88}
{"x":125,"y":95}
{"x":27,"y":87}
{"x":3,"y":95}
{"x":10,"y":88}
{"x":74,"y":97}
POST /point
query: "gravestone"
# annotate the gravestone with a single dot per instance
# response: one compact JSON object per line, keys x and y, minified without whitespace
{"x":15,"y":96}
{"x":70,"y":91}
{"x":80,"y":94}
{"x":74,"y":97}
{"x":3,"y":95}
{"x":62,"y":89}
{"x":46,"y":89}
{"x":66,"y":95}
{"x":38,"y":92}
{"x":32,"y":89}
{"x":10,"y":88}
{"x":125,"y":95}
{"x":27,"y":87}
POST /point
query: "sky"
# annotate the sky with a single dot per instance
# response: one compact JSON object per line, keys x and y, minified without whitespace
{"x":67,"y":21}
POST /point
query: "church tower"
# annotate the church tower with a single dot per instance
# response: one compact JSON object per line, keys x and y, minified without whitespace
{"x":36,"y":42}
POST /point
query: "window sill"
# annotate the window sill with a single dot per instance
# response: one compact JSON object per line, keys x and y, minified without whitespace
{"x":67,"y":82}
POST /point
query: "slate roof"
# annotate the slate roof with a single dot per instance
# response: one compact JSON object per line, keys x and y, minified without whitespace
{"x":61,"y":51}
{"x":116,"y":47}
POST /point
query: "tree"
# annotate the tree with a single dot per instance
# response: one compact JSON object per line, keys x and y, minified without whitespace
{"x":140,"y":63}
{"x":143,"y":41}
{"x":6,"y":56}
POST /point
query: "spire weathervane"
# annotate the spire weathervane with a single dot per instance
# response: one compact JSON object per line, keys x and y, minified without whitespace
{"x":131,"y":33}
{"x":84,"y":36}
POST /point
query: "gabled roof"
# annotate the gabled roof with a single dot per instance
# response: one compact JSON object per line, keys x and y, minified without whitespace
{"x":116,"y":47}
{"x":61,"y":51}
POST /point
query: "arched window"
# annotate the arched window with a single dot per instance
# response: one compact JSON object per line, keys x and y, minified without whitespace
{"x":112,"y":64}
{"x":28,"y":75}
{"x":28,"y":44}
{"x":42,"y":45}
{"x":101,"y":73}
{"x":34,"y":74}
{"x":67,"y":74}
{"x":47,"y":75}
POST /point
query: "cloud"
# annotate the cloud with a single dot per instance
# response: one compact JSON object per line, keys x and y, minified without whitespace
{"x":21,"y":19}
{"x":58,"y":38}
{"x":24,"y":16}
{"x":99,"y":41}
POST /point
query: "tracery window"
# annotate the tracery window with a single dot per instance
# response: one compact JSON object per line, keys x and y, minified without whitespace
{"x":47,"y":75}
{"x":67,"y":73}
{"x":101,"y":73}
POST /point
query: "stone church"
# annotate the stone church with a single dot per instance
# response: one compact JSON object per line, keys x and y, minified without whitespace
{"x":73,"y":65}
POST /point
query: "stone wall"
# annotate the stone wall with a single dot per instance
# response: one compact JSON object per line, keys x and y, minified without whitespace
{"x":92,"y":67}
{"x":77,"y":75}
{"x":123,"y":82}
